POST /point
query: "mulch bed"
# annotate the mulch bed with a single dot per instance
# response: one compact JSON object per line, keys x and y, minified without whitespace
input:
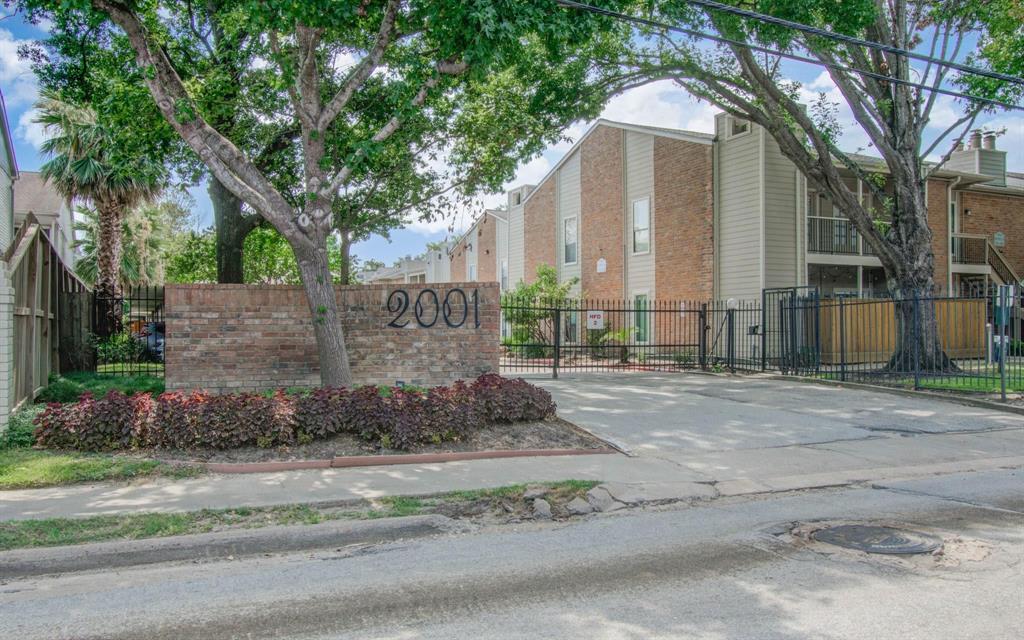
{"x":547,"y":434}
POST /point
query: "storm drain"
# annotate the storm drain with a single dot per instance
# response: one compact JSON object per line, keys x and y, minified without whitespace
{"x":875,"y":539}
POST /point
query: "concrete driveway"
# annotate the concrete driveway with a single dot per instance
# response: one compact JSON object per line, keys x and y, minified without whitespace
{"x":652,"y":414}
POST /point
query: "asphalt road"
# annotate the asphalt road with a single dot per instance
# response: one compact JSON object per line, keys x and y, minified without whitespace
{"x":717,"y":570}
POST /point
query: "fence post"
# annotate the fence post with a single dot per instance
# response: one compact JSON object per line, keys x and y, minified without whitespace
{"x":794,"y":355}
{"x":842,"y":340}
{"x":702,"y":338}
{"x":764,"y":330}
{"x":1003,"y":317}
{"x":558,"y":341}
{"x":730,"y":315}
{"x":916,"y":337}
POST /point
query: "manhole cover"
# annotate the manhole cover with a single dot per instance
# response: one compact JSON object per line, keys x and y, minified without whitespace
{"x":875,"y":539}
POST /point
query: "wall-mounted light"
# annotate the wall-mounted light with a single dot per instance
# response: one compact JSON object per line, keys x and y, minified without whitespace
{"x":967,"y":212}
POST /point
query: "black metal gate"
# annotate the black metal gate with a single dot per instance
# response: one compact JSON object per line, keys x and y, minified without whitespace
{"x":127,"y":334}
{"x":790,"y":329}
{"x":552,"y":336}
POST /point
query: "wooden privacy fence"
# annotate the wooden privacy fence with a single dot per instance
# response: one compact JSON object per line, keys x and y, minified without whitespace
{"x":864,"y":331}
{"x":43,"y":290}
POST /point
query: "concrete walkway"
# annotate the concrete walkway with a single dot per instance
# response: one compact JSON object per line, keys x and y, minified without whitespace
{"x":736,"y":435}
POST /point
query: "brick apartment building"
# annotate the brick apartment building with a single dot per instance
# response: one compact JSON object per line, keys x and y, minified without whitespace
{"x":482,"y":253}
{"x":645,"y":213}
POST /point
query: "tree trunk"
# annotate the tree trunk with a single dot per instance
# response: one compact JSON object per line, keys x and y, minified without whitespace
{"x":912,"y":286}
{"x":109,"y":248}
{"x":345,"y":270}
{"x":231,"y":229}
{"x":317,"y":280}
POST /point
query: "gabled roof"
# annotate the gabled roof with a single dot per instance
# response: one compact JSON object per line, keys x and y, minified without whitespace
{"x":663,"y":132}
{"x":33,"y":193}
{"x":499,"y":214}
{"x":8,"y":141}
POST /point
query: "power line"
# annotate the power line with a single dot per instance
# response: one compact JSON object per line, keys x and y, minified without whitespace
{"x":782,"y":54}
{"x":831,"y":35}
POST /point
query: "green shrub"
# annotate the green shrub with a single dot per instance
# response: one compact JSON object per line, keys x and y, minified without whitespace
{"x":19,"y":432}
{"x":119,"y":347}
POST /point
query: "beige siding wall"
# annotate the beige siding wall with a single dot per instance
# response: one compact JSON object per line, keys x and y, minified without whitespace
{"x":516,"y":246}
{"x":568,"y":206}
{"x":500,"y":248}
{"x":6,"y":210}
{"x":6,"y":345}
{"x":639,"y":185}
{"x":739,"y":215}
{"x":780,"y":217}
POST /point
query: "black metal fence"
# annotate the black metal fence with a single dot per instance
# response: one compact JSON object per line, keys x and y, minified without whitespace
{"x":968,"y":344}
{"x":959,"y":344}
{"x":549,"y":336}
{"x":121,"y":335}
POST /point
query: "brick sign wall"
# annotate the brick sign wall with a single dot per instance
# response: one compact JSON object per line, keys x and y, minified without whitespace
{"x":245,"y":337}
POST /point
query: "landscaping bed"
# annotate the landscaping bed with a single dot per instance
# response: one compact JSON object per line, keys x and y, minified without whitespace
{"x":489,"y":414}
{"x":521,"y":436}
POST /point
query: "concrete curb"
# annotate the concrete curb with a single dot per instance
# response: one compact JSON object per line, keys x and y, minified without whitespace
{"x":207,"y":546}
{"x":908,"y":393}
{"x":341,"y":462}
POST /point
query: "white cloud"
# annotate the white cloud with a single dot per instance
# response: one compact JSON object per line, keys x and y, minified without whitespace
{"x":29,"y":131}
{"x":20,"y":87}
{"x":661,"y":104}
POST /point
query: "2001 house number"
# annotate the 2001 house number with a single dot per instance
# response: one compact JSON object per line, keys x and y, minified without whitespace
{"x":429,"y":308}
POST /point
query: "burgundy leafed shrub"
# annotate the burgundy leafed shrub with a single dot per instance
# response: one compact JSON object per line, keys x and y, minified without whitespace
{"x":115,"y":421}
{"x":511,"y":400}
{"x":395,"y":418}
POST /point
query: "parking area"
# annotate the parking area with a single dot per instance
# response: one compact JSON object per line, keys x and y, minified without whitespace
{"x":648,"y":414}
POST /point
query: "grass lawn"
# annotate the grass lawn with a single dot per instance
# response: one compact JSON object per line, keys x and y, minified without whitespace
{"x":25,"y":468}
{"x":142,"y":368}
{"x":967,"y":383}
{"x":69,"y":387}
{"x":51,"y":532}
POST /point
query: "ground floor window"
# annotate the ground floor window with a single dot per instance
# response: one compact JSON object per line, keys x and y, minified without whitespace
{"x":641,"y":316}
{"x":853,"y":281}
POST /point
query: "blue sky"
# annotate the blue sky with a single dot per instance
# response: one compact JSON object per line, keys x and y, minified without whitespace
{"x":660,"y":104}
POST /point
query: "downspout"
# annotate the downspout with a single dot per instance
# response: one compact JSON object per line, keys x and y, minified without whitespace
{"x":950,"y":204}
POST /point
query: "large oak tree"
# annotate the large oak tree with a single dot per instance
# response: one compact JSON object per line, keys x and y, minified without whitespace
{"x":361,"y":81}
{"x":752,"y":84}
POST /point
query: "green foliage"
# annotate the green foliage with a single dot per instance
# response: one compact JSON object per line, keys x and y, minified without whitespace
{"x":148,"y":233}
{"x":24,"y":468}
{"x":119,"y":347}
{"x":530,"y":310}
{"x":20,"y":430}
{"x":70,"y":386}
{"x":267,"y":259}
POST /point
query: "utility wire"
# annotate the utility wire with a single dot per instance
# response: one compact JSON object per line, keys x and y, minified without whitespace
{"x":791,"y":56}
{"x":831,"y":35}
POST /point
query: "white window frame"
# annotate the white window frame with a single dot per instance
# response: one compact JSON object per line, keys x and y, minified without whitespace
{"x":729,"y":122}
{"x":576,"y":225}
{"x":632,"y":227}
{"x":471,"y":272}
{"x":648,"y":316}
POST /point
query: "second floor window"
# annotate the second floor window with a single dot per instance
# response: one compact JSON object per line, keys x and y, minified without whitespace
{"x":569,"y":237}
{"x":472,"y":273}
{"x":641,"y":226}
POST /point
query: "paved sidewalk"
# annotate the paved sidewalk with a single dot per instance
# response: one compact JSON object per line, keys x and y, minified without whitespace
{"x":739,"y":435}
{"x":670,"y":474}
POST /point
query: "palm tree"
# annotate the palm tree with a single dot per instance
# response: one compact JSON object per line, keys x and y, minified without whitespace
{"x":87,"y":162}
{"x":143,"y":237}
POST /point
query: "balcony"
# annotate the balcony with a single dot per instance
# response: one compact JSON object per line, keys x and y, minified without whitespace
{"x":835,"y":236}
{"x":969,"y":249}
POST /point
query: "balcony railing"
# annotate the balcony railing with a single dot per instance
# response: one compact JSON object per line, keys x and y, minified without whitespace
{"x":832,"y":235}
{"x":970,"y":249}
{"x":837,"y":236}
